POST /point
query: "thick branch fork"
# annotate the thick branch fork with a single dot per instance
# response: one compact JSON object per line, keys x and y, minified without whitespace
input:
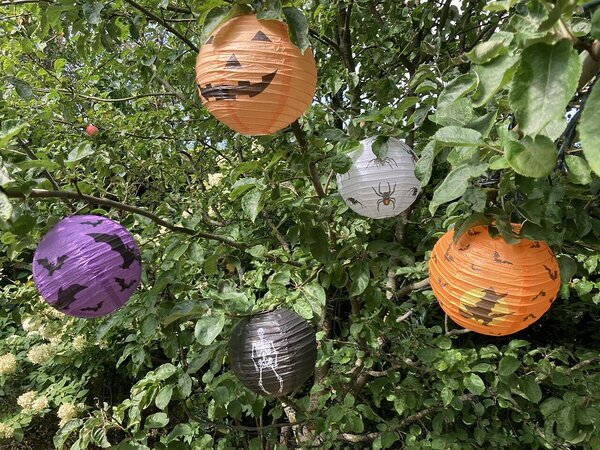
{"x":42,"y":193}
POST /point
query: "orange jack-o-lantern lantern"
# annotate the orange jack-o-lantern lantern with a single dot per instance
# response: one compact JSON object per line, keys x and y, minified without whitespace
{"x":489,"y":286}
{"x":252,"y":78}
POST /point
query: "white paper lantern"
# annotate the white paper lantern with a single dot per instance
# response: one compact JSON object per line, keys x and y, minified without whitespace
{"x":380,"y":188}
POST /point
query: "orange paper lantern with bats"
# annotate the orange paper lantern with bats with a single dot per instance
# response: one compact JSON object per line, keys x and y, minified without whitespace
{"x":489,"y":286}
{"x":252,"y":78}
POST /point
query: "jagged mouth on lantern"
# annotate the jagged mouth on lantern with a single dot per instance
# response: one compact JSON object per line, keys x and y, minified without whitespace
{"x":231,"y":92}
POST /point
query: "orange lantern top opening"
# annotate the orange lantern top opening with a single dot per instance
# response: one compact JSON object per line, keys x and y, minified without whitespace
{"x":489,"y":286}
{"x":252,"y":78}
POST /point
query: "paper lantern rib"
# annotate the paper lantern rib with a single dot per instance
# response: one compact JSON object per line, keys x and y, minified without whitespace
{"x":489,"y":286}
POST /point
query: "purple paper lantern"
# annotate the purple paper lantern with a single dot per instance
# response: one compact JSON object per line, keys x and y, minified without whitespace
{"x":87,"y":266}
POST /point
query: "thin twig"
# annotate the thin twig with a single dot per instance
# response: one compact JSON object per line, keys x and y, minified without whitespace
{"x":154,"y":17}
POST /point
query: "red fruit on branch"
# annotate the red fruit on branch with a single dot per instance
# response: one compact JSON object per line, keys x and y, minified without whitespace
{"x":91,"y":130}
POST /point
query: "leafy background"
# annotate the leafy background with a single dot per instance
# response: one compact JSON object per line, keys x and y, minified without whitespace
{"x":498,"y":100}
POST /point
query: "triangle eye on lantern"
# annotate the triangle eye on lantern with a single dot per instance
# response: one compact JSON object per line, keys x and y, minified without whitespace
{"x":260,"y":36}
{"x":233,"y":63}
{"x":250,"y":85}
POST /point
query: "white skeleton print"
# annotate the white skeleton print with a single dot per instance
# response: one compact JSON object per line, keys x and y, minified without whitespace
{"x":264,"y":356}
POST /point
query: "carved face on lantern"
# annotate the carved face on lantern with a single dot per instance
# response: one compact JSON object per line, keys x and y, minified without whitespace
{"x":489,"y":286}
{"x":252,"y":78}
{"x":87,"y":266}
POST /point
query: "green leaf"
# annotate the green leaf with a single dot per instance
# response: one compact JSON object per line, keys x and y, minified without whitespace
{"x":11,"y":128}
{"x":455,"y":184}
{"x":181,"y":429}
{"x":163,"y":372}
{"x":158,"y":420}
{"x":38,"y":164}
{"x":5,"y":207}
{"x":297,"y":27}
{"x":533,"y":158}
{"x":579,"y":170}
{"x":424,"y":165}
{"x":208,"y":328}
{"x":551,"y":405}
{"x":341,"y":163}
{"x":544,"y":83}
{"x":23,"y":88}
{"x":164,"y":396}
{"x":595,"y":31}
{"x":271,"y":10}
{"x":315,"y":295}
{"x":92,"y":12}
{"x":241,"y":186}
{"x":78,"y":153}
{"x":456,"y":89}
{"x":380,"y":146}
{"x":252,"y":203}
{"x":186,"y":309}
{"x":568,"y":268}
{"x":493,"y":76}
{"x":474,"y":384}
{"x":589,"y":129}
{"x":360,"y":275}
{"x":508,"y":365}
{"x":486,"y":51}
{"x":458,"y":136}
{"x":530,"y":388}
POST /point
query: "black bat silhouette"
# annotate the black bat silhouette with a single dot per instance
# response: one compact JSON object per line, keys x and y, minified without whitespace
{"x":529,"y":316}
{"x":94,"y":224}
{"x":121,"y":282}
{"x":482,"y":311}
{"x":67,"y":296}
{"x":499,"y":260}
{"x":117,"y":245}
{"x":542,"y":293}
{"x":51,"y":268}
{"x":552,"y":273}
{"x":91,"y":308}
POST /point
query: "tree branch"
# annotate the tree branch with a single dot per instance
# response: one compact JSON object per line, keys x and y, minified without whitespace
{"x":165,"y":24}
{"x":312,"y":166}
{"x":110,"y":100}
{"x":412,"y":287}
{"x":41,"y":193}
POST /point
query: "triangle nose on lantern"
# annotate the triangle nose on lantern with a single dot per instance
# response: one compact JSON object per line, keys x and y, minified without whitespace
{"x":233,"y":63}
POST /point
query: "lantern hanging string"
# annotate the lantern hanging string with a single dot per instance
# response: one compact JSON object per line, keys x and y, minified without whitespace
{"x":45,"y":194}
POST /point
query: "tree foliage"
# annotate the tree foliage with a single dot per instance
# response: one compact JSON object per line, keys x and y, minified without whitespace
{"x":498,"y":100}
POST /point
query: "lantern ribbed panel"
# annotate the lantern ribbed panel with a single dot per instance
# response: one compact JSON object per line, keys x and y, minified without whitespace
{"x":380,"y":188}
{"x":281,"y":102}
{"x":87,"y":266}
{"x":285,"y":351}
{"x":489,"y":286}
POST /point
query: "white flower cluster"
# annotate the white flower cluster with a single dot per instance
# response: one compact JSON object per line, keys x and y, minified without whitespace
{"x":31,"y":402}
{"x":66,"y":412}
{"x":40,"y":353}
{"x":79,"y":343}
{"x":214,"y":179}
{"x":6,"y":431}
{"x":8,"y":364}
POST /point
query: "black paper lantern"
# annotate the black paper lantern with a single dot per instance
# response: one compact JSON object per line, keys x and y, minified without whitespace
{"x":273,"y":353}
